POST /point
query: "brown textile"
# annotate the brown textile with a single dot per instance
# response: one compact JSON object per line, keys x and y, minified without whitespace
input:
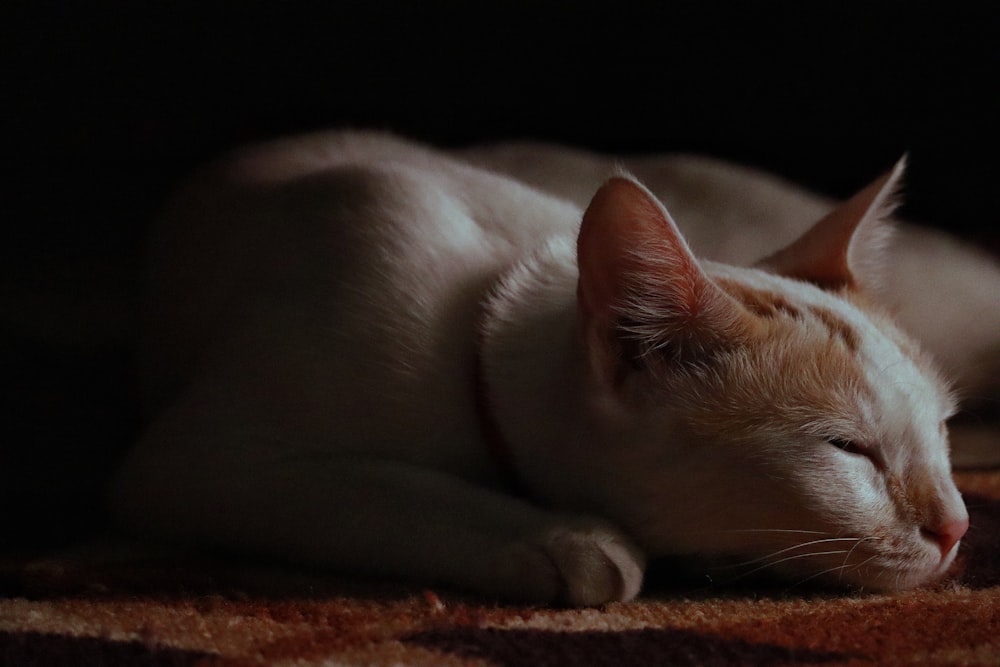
{"x":114,"y":604}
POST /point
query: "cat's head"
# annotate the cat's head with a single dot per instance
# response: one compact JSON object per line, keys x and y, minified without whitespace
{"x":774,"y":414}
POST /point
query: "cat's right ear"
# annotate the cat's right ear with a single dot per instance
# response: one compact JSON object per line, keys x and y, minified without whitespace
{"x":641,"y":290}
{"x":845,"y":248}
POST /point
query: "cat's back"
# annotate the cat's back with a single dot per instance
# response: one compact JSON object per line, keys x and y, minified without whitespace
{"x":728,"y":212}
{"x":340,"y":261}
{"x":353,"y":193}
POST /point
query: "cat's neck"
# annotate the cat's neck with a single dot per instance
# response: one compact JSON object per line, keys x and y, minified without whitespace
{"x":533,"y":372}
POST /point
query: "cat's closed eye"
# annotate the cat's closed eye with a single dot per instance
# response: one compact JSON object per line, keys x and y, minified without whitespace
{"x":844,"y":444}
{"x":853,"y":447}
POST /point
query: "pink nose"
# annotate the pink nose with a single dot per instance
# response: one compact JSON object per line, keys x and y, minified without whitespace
{"x":947,"y":534}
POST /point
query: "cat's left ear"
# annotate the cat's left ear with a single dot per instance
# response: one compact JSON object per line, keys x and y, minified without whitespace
{"x":641,"y":288}
{"x":845,"y":248}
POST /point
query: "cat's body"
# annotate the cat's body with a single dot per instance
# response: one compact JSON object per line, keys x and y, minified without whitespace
{"x":352,"y":335}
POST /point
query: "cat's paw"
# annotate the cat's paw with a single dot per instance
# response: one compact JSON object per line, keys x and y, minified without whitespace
{"x":596,"y":564}
{"x":577,"y":562}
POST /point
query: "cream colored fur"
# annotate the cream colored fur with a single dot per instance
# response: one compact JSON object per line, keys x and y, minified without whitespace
{"x":319,"y":306}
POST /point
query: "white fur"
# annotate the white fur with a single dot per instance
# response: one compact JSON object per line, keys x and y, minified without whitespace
{"x":583,"y":448}
{"x":314,"y":328}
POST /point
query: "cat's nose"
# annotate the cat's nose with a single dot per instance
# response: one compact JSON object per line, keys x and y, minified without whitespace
{"x":948,"y":534}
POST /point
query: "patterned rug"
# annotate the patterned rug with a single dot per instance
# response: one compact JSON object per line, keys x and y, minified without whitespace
{"x":114,"y":604}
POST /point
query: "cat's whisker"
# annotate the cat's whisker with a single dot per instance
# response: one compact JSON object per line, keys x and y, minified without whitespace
{"x":865,"y":561}
{"x":851,"y":552}
{"x":759,"y":530}
{"x":841,"y":568}
{"x":885,"y":574}
{"x":773,"y":530}
{"x":801,"y":545}
{"x":986,"y":398}
{"x":768,"y":560}
{"x":847,"y":566}
{"x":810,"y":554}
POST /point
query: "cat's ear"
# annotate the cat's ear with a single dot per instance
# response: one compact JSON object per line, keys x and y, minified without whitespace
{"x":641,"y":289}
{"x":845,"y":248}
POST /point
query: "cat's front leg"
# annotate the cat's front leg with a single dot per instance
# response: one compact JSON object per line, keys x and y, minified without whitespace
{"x":431,"y":526}
{"x":374,"y":517}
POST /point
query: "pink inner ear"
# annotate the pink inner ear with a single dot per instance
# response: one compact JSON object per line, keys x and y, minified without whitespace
{"x":819,"y":256}
{"x":627,"y":239}
{"x":848,"y":240}
{"x":640,"y":287}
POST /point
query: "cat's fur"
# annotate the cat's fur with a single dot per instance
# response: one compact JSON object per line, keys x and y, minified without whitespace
{"x":350,"y":334}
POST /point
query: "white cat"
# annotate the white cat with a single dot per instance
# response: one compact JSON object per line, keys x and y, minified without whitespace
{"x":355,"y":342}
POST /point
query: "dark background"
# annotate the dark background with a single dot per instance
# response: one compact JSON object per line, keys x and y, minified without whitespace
{"x":109,"y":104}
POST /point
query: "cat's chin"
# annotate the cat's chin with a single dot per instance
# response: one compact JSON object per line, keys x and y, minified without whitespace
{"x":734,"y":572}
{"x":874,"y":577}
{"x":887,"y":580}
